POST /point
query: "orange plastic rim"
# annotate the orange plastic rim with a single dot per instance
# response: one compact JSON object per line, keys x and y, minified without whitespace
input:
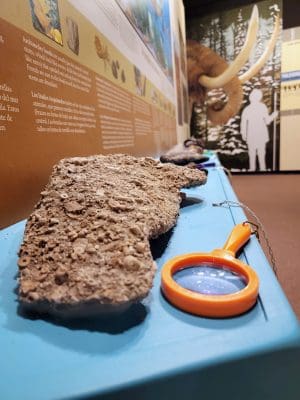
{"x":215,"y":306}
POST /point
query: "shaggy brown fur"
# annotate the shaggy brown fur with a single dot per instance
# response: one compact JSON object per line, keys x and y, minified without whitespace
{"x":202,"y":60}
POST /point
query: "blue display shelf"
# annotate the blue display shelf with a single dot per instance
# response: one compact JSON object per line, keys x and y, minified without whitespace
{"x":155,"y":351}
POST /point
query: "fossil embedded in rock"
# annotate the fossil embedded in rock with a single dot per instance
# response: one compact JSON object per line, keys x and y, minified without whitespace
{"x":89,"y":255}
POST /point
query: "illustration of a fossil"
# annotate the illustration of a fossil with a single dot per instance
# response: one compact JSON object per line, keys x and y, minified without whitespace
{"x":140,"y":81}
{"x":101,"y":50}
{"x":123,"y":77}
{"x":103,"y":53}
{"x":114,"y":69}
{"x":72,"y":35}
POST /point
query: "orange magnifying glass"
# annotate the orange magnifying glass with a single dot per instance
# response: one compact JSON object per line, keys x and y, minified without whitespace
{"x":212,"y":284}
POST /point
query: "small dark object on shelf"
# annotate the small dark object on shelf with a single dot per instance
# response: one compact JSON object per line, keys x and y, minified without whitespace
{"x":191,"y":150}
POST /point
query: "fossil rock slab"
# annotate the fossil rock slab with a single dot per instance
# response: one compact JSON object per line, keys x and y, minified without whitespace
{"x":191,"y":150}
{"x":86,"y":244}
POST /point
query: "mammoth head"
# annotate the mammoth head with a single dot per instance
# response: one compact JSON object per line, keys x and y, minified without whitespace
{"x":207,"y":70}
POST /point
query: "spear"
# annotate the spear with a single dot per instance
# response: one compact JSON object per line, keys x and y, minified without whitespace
{"x":274,"y":131}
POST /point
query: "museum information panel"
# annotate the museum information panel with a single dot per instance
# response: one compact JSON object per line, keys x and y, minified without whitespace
{"x":80,"y":78}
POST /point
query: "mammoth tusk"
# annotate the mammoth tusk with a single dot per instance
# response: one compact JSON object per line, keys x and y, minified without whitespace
{"x":253,"y":70}
{"x":239,"y":62}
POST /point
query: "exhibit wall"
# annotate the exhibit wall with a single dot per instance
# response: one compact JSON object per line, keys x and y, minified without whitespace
{"x":179,"y":46}
{"x":250,"y":139}
{"x":290,"y":100}
{"x":84,"y":77}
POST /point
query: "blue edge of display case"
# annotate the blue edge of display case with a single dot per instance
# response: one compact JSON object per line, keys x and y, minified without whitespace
{"x":155,"y":350}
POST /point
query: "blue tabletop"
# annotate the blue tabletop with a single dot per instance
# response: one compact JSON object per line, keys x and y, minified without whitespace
{"x":48,"y":359}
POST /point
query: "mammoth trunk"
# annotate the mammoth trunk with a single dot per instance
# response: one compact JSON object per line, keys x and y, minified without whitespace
{"x":218,"y":111}
{"x":202,"y":61}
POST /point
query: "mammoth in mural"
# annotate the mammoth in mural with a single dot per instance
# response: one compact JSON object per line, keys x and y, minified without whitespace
{"x":207,"y":70}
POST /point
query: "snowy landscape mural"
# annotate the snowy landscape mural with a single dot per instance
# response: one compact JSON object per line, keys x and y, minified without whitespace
{"x":225,"y":33}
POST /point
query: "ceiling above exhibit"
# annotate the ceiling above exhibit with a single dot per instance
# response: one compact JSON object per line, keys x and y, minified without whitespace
{"x":199,"y":7}
{"x":196,"y":8}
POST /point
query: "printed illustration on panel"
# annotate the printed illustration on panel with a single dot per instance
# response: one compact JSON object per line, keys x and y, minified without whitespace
{"x":151,"y":20}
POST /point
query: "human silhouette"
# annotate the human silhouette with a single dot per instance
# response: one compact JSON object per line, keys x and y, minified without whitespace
{"x":254,"y":130}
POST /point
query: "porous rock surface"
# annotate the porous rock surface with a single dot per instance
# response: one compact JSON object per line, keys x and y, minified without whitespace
{"x":86,"y":244}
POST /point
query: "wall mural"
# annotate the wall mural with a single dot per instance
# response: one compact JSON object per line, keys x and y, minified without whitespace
{"x":234,"y":62}
{"x":151,"y":20}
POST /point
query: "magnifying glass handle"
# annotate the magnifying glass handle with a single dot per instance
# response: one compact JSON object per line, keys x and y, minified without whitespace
{"x":237,"y":238}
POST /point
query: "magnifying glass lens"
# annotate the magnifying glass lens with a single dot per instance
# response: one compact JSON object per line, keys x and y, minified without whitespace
{"x":210,"y":280}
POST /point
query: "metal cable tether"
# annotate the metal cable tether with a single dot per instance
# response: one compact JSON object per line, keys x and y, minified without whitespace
{"x":259,"y":225}
{"x":227,"y":171}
